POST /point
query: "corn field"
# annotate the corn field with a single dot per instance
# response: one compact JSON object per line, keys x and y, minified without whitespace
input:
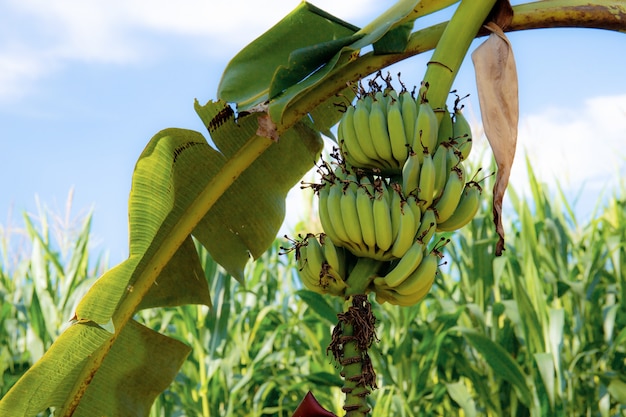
{"x":539,"y":331}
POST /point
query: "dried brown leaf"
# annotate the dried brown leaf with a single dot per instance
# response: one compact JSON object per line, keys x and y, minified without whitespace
{"x":496,"y":81}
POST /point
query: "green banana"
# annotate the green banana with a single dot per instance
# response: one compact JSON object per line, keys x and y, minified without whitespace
{"x":446,"y":130}
{"x":366,"y":216}
{"x":334,"y":212}
{"x":428,"y":226}
{"x":446,"y":204}
{"x":396,"y":209}
{"x":380,"y":134}
{"x":361,"y":120}
{"x":324,"y":214}
{"x":462,"y":134}
{"x":313,"y":262}
{"x":411,"y":174}
{"x":440,"y":159}
{"x":466,"y":209}
{"x":426,"y":130}
{"x":335,"y":256}
{"x":406,"y":233}
{"x":413,"y":204}
{"x":397,"y":136}
{"x":409,"y":115}
{"x":419,"y":282}
{"x":350,"y":146}
{"x":405,"y":266}
{"x":349,"y":214}
{"x":426,"y":191}
{"x":309,"y":280}
{"x":382,"y":221}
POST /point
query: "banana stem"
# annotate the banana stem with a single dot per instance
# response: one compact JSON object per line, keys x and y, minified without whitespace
{"x":351,"y":339}
{"x":362,"y":275}
{"x":452,"y":48}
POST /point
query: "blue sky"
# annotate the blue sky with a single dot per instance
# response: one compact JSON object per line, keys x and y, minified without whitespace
{"x":85,"y":85}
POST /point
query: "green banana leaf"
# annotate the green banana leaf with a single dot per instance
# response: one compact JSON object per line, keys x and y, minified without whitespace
{"x":248,"y":76}
{"x":84,"y":365}
{"x":281,"y":68}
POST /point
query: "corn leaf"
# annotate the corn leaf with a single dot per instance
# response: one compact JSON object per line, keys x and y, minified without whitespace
{"x":503,"y":365}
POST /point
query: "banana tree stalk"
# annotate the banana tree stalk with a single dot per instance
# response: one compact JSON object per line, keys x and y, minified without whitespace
{"x":452,"y":48}
{"x":351,"y":340}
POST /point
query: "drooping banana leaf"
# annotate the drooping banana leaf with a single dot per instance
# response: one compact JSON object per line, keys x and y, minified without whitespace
{"x":170,"y":177}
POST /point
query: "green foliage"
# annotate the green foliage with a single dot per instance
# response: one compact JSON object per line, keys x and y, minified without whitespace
{"x":539,"y":331}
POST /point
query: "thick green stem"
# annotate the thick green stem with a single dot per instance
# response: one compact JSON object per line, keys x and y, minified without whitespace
{"x":351,"y":339}
{"x":362,"y":275}
{"x":452,"y":48}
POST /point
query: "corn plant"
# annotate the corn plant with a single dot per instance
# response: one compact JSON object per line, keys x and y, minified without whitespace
{"x":45,"y":270}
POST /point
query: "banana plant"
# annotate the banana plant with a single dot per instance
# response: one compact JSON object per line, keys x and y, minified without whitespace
{"x":229,"y":194}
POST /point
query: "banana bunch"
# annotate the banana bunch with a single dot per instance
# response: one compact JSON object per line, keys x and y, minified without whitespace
{"x":397,"y":180}
{"x":410,"y":278}
{"x":376,"y":132}
{"x":322,"y":265}
{"x":367,"y":215}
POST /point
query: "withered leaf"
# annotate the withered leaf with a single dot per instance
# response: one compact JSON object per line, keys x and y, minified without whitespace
{"x":496,"y":81}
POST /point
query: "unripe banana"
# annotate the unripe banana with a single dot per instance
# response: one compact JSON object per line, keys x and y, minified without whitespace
{"x":462,"y":133}
{"x":406,"y":234}
{"x":426,"y":129}
{"x":324,"y":215}
{"x":397,"y":137}
{"x":366,"y":216}
{"x":334,"y":255}
{"x":466,"y":209}
{"x":361,"y":119}
{"x":350,"y":146}
{"x":409,"y":115}
{"x":334,"y":213}
{"x":311,"y":281}
{"x":314,"y":260}
{"x":446,"y":204}
{"x":404,"y":268}
{"x":419,"y":282}
{"x":396,"y":209}
{"x":380,"y":134}
{"x":441,"y":168}
{"x":427,"y":227}
{"x":382,"y":222}
{"x":413,"y":204}
{"x":411,"y":174}
{"x":349,"y":215}
{"x":426,"y":191}
{"x":453,"y":158}
{"x":446,"y":131}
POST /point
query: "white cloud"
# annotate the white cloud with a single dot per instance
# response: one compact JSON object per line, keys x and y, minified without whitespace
{"x":581,"y":145}
{"x":46,"y":35}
